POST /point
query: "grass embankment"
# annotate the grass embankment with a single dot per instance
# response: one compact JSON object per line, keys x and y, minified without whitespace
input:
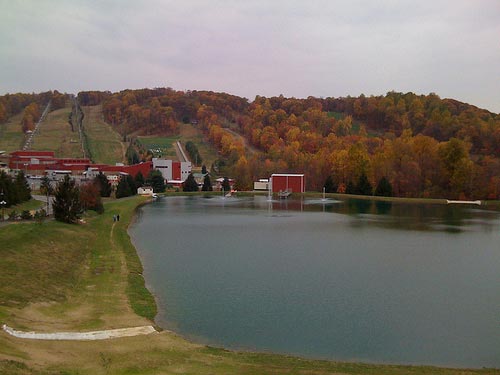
{"x":31,"y":205}
{"x":59,"y":277}
{"x":104,"y":142}
{"x":187,"y":132}
{"x":11,"y":134}
{"x":55,"y":134}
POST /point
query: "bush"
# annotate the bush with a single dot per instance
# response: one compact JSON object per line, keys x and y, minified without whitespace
{"x":40,"y":216}
{"x":13,"y":215}
{"x":26,"y":215}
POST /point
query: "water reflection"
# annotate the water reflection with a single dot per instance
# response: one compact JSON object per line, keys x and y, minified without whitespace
{"x":394,"y":215}
{"x":367,"y":280}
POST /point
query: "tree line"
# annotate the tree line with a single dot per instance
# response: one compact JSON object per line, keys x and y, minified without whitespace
{"x":422,"y":145}
{"x":14,"y":190}
{"x":31,"y":105}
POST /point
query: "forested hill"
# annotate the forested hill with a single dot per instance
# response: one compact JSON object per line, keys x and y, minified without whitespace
{"x":423,"y":145}
{"x":30,"y":105}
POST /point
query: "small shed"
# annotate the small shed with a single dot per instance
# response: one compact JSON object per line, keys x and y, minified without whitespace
{"x":145,"y":190}
{"x":292,"y":183}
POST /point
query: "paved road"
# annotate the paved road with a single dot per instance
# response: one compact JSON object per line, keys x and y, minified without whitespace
{"x":181,"y":155}
{"x":43,"y":198}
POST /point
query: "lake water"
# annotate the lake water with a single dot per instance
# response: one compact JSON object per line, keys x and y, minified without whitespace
{"x":351,"y":280}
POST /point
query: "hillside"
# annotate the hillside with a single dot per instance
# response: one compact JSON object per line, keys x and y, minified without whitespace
{"x":423,"y":145}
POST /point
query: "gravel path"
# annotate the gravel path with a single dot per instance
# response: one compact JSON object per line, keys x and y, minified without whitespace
{"x":94,"y":335}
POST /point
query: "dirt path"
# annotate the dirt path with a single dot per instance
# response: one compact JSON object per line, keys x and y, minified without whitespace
{"x":81,"y":336}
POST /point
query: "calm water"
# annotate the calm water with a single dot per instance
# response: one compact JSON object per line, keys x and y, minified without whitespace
{"x":353,"y":280}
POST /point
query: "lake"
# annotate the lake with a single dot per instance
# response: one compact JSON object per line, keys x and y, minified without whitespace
{"x":343,"y":280}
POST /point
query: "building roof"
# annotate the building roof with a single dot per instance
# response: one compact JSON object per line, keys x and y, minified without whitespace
{"x":33,"y":153}
{"x":287,"y":175}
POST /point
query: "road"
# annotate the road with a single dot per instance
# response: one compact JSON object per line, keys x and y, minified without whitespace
{"x":43,"y":198}
{"x":181,"y":155}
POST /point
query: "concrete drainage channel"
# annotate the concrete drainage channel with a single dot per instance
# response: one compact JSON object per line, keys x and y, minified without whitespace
{"x":81,"y":336}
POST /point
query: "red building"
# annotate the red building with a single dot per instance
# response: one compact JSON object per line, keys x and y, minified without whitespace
{"x":292,"y":183}
{"x":38,"y":162}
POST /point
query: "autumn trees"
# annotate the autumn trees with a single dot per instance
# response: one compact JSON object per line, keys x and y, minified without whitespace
{"x":405,"y":144}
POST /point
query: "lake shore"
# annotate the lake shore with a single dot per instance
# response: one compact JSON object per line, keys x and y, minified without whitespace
{"x":95,"y":282}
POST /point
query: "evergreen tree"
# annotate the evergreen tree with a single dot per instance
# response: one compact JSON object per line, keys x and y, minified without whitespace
{"x":364,"y":187}
{"x":139,"y":180}
{"x":46,"y":186}
{"x":131,"y":184}
{"x":131,"y":154}
{"x":103,"y":185}
{"x":204,"y":169}
{"x":226,"y":186}
{"x":156,"y":181}
{"x":330,"y":186}
{"x":22,"y":187}
{"x":67,"y":207}
{"x":384,"y":188}
{"x":350,"y":188}
{"x":123,"y":188}
{"x":207,"y":184}
{"x":7,"y":190}
{"x":190,"y":184}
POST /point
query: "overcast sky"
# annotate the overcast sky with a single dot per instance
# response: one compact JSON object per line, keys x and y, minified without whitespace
{"x":255,"y":47}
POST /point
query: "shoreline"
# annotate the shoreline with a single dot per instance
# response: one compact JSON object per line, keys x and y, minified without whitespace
{"x":93,"y":281}
{"x":201,"y":341}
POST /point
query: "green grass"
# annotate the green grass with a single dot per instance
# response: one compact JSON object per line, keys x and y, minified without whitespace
{"x":208,"y":153}
{"x":160,"y":146}
{"x":56,"y":277}
{"x":11,"y":134}
{"x":55,"y":134}
{"x":30,"y":205}
{"x":104,"y":142}
{"x":187,"y":132}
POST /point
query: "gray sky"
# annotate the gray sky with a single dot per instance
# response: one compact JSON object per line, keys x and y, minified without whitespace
{"x":265,"y":47}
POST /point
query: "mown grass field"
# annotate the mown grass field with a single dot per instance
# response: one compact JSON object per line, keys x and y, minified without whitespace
{"x":59,"y":277}
{"x":104,"y":142}
{"x":160,"y":146}
{"x":11,"y":134}
{"x":55,"y":134}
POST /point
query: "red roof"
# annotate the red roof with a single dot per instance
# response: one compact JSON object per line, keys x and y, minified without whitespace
{"x":33,"y":153}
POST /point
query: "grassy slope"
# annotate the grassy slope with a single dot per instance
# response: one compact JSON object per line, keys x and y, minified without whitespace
{"x":104,"y":142}
{"x":56,"y":135}
{"x":77,"y":277}
{"x":190,"y":133}
{"x":30,"y":205}
{"x":163,"y":144}
{"x":187,"y":132}
{"x":11,"y":134}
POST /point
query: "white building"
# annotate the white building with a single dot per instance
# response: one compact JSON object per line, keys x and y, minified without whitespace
{"x":172,"y":170}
